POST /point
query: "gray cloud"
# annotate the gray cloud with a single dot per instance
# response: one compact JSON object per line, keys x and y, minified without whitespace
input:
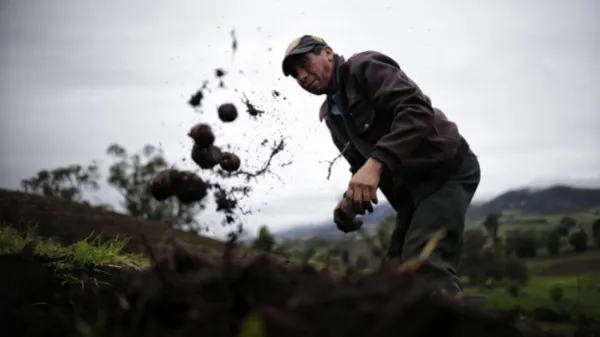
{"x":520,"y":79}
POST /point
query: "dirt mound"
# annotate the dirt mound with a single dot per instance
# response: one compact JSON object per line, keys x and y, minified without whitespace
{"x":69,"y":222}
{"x":184,"y":295}
{"x":36,"y":301}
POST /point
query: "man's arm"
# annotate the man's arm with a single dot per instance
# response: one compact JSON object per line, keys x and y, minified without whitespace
{"x":390,"y":91}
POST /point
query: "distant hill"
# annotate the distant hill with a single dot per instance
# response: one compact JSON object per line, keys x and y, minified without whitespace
{"x":552,"y":200}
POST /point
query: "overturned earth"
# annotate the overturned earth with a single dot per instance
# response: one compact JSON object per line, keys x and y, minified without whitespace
{"x":199,"y":286}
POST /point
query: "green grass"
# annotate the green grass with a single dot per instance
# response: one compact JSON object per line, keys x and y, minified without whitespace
{"x":81,"y":254}
{"x":581,"y":294}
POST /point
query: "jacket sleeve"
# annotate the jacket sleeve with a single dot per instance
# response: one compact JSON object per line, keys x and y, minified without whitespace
{"x":390,"y":91}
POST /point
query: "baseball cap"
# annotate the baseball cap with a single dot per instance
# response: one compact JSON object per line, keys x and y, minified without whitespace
{"x":300,"y":46}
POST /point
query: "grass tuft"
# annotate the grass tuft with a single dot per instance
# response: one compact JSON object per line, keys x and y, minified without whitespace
{"x":87,"y":253}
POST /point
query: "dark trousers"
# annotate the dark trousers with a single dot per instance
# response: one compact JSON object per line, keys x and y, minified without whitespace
{"x":444,"y":209}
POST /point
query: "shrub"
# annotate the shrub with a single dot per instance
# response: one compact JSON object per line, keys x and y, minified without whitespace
{"x":556,"y":293}
{"x":579,"y":241}
{"x":525,"y":245}
{"x":474,"y":240}
{"x":553,"y":243}
{"x":596,"y":232}
{"x":362,"y":262}
{"x":516,"y":271}
{"x":513,"y":289}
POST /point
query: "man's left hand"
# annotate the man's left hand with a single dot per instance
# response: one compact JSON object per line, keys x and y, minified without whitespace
{"x":364,"y":183}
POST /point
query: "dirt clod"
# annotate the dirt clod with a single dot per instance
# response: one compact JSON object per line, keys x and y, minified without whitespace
{"x":224,"y":201}
{"x":220,"y":72}
{"x":227,"y":112}
{"x":196,"y":99}
{"x":202,"y":135}
{"x":188,"y":187}
{"x":161,"y":187}
{"x":229,"y":161}
{"x":206,"y":158}
{"x":251,"y":109}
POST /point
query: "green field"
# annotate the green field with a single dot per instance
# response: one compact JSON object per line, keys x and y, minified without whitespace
{"x":577,"y":274}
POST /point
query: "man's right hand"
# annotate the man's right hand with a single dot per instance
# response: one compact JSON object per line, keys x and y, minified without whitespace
{"x":344,"y":215}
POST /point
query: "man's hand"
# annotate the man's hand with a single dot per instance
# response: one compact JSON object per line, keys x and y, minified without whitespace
{"x":344,"y":216}
{"x":363,"y":186}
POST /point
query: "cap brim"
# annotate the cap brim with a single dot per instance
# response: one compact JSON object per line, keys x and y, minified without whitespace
{"x":297,"y":51}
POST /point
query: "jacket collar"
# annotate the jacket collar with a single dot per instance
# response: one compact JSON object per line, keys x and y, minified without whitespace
{"x":335,"y":84}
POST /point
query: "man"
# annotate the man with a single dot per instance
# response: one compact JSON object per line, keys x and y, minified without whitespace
{"x":394,"y":140}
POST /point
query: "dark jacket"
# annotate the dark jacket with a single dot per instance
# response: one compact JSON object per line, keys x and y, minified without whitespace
{"x":385,"y":115}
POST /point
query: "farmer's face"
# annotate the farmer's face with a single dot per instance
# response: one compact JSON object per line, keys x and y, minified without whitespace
{"x":313,"y":71}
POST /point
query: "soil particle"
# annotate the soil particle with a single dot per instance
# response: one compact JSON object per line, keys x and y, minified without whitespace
{"x":251,"y":109}
{"x":196,"y":99}
{"x":224,"y":201}
{"x":227,"y":112}
{"x":234,"y":42}
{"x":220,"y":72}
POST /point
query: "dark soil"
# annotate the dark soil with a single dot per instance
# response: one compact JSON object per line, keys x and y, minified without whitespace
{"x":185,"y":295}
{"x":191,"y":290}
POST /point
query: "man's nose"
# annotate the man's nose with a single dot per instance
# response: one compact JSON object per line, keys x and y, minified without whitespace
{"x":302,"y":76}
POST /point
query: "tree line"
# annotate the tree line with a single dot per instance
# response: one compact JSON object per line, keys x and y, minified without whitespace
{"x":129,"y":174}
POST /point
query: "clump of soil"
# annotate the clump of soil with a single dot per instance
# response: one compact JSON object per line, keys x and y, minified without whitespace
{"x":220,"y":72}
{"x":161,"y":186}
{"x":202,"y":135}
{"x":206,"y":158}
{"x":196,"y":99}
{"x":227,"y":112}
{"x":229,"y":162}
{"x":188,"y":187}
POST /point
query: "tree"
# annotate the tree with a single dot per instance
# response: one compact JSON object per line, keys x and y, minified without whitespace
{"x":67,"y":182}
{"x":525,"y":245}
{"x":553,"y":243}
{"x":492,"y":224}
{"x":565,"y":224}
{"x":362,"y":262}
{"x":474,"y":241}
{"x":265,"y":240}
{"x":579,"y":240}
{"x":596,"y":231}
{"x":131,"y":175}
{"x":556,"y":293}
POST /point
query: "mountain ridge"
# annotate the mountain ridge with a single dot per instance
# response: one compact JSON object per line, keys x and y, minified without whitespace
{"x":528,"y":200}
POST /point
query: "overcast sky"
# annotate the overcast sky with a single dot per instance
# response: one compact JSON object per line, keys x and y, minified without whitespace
{"x":520,"y":78}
